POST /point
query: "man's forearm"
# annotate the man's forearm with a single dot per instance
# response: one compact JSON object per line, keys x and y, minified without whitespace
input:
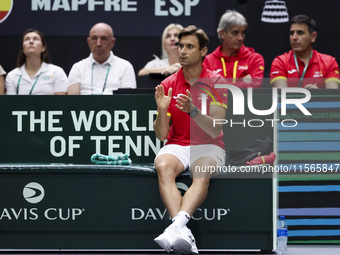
{"x":206,"y":122}
{"x":161,"y":125}
{"x":281,"y":83}
{"x":74,"y":89}
{"x":332,"y":85}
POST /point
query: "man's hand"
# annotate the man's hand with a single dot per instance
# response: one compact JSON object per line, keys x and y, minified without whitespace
{"x":247,"y":78}
{"x":172,"y":69}
{"x":184,"y":102}
{"x":311,"y":86}
{"x":162,"y":100}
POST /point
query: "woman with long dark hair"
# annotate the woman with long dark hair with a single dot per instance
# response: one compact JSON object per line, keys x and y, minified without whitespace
{"x":34,"y":74}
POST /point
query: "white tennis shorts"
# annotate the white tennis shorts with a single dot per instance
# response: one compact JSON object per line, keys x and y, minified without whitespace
{"x":189,"y":154}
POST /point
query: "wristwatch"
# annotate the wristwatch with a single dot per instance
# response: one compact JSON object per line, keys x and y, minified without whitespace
{"x":193,"y":113}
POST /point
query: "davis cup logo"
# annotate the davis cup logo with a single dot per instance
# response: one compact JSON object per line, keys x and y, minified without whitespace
{"x":5,"y":9}
{"x":33,"y":192}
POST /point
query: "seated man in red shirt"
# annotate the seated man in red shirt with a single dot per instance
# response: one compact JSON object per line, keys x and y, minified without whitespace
{"x":303,"y":66}
{"x":193,"y":138}
{"x":232,"y":59}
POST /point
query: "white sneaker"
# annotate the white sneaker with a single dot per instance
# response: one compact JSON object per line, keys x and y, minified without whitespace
{"x":166,"y":239}
{"x":185,"y":243}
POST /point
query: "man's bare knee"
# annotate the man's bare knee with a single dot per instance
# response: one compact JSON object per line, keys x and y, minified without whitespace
{"x":201,"y":181}
{"x":203,"y":168}
{"x":168,"y":167}
{"x":164,"y":170}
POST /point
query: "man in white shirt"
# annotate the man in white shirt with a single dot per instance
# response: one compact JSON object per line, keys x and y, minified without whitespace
{"x":102,"y":72}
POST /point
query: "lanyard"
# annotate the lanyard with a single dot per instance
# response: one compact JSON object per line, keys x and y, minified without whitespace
{"x":32,"y":86}
{"x":107,"y":74}
{"x":304,"y":70}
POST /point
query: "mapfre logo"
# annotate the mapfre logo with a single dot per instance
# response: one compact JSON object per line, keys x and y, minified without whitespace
{"x":33,"y":192}
{"x":5,"y":9}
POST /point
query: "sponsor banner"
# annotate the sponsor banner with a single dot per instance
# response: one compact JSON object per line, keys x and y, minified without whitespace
{"x":70,"y":129}
{"x":65,"y":129}
{"x":127,"y":17}
{"x":96,"y":207}
{"x":42,"y":201}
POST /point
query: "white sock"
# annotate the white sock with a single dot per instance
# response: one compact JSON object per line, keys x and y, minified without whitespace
{"x":181,"y":219}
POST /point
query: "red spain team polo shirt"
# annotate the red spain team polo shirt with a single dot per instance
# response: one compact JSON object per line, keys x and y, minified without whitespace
{"x":321,"y":69}
{"x":183,"y":131}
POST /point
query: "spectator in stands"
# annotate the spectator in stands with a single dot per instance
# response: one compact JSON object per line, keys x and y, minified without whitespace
{"x":2,"y":80}
{"x":192,"y":139}
{"x":34,"y":74}
{"x":102,"y":72}
{"x":303,"y":66}
{"x":232,"y":59}
{"x":169,"y":63}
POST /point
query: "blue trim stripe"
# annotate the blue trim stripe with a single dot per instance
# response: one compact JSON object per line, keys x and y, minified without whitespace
{"x":333,"y":232}
{"x":309,"y":126}
{"x":308,"y":136}
{"x":312,"y":222}
{"x":309,"y":146}
{"x":310,"y":211}
{"x":316,"y":188}
{"x":314,"y":105}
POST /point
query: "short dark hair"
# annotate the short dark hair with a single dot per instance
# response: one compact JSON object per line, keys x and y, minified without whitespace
{"x":44,"y":55}
{"x":203,"y":39}
{"x":304,"y":19}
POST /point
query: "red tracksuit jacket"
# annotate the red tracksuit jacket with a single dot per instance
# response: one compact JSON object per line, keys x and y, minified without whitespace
{"x":245,"y":62}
